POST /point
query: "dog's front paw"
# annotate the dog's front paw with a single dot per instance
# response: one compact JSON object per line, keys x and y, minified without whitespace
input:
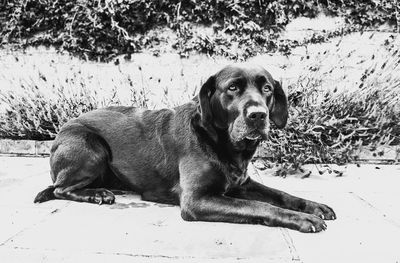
{"x":311,"y":224}
{"x":321,"y":210}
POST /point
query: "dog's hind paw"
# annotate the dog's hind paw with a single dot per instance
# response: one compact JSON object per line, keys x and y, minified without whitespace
{"x":102,"y":196}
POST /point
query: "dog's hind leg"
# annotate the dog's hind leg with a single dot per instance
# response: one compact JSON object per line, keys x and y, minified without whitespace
{"x":97,"y":195}
{"x":79,"y":167}
{"x":90,"y":187}
{"x":45,"y":195}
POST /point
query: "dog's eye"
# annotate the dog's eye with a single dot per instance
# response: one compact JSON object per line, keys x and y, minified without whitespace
{"x":267,"y":89}
{"x":233,"y":88}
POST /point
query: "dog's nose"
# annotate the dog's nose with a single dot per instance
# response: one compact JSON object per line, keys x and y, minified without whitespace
{"x":256,"y":116}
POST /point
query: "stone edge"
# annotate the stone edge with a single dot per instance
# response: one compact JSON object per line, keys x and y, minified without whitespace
{"x":8,"y":147}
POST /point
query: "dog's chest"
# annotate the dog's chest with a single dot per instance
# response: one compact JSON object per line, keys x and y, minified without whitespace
{"x":236,"y":173}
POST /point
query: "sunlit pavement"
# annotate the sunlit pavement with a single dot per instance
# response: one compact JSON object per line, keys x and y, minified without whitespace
{"x":366,"y":201}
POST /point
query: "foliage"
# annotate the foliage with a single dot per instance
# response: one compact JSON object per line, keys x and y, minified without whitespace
{"x":327,"y":126}
{"x":36,"y":114}
{"x":103,"y":29}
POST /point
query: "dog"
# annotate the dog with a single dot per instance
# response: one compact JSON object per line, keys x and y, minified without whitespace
{"x":194,"y":155}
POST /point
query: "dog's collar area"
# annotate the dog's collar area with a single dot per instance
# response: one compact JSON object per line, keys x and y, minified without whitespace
{"x":236,"y":175}
{"x":237,"y":179}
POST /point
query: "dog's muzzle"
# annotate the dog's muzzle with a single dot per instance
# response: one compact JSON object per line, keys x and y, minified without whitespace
{"x":253,"y":124}
{"x":257,"y":121}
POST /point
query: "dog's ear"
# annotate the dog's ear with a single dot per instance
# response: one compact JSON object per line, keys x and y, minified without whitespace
{"x":205,"y":94}
{"x":279,"y":112}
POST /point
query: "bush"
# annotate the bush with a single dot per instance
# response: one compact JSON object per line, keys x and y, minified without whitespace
{"x":327,"y":126}
{"x":38,"y":113}
{"x":103,"y":29}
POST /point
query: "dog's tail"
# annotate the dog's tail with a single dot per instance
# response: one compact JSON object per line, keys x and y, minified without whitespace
{"x":45,"y":195}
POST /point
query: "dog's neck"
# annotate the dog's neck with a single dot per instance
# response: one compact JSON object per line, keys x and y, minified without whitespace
{"x":234,"y":155}
{"x":234,"y":152}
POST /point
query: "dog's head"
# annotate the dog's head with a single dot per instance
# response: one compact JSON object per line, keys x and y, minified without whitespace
{"x":241,"y":99}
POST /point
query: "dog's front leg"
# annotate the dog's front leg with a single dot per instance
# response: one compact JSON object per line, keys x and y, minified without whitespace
{"x":201,"y":199}
{"x":253,"y":190}
{"x":227,"y":209}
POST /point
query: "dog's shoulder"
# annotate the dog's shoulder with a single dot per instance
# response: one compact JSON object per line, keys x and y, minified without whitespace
{"x":191,"y":134}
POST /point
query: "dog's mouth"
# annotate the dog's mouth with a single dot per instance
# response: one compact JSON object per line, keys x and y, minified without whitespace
{"x":240,"y":131}
{"x":254,"y":135}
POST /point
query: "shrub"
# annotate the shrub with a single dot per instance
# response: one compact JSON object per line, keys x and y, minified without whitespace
{"x":38,"y":113}
{"x":103,"y":29}
{"x":327,"y":126}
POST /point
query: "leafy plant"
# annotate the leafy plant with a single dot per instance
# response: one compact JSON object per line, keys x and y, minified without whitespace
{"x":104,"y":29}
{"x":327,"y":126}
{"x":39,"y":113}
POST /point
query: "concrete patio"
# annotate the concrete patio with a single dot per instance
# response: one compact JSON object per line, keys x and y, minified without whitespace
{"x":365,"y":200}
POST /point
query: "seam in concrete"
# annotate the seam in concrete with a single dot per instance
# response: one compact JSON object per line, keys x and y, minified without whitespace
{"x":110,"y":253}
{"x":24,"y":155}
{"x":289,"y":241}
{"x":31,"y":148}
{"x":143,"y":255}
{"x":376,"y":210}
{"x":25,"y":147}
{"x":235,"y":259}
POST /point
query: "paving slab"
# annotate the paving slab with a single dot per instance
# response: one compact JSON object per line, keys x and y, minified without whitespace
{"x":364,"y":198}
{"x":360,"y":234}
{"x":384,"y":203}
{"x":151,"y":232}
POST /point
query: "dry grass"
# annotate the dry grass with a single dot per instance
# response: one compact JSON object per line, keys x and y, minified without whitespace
{"x":342,"y":95}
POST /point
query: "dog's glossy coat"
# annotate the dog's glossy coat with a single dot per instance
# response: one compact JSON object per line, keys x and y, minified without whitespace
{"x":194,"y":155}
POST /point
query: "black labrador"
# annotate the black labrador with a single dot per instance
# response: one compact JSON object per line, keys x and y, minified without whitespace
{"x":194,"y":155}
